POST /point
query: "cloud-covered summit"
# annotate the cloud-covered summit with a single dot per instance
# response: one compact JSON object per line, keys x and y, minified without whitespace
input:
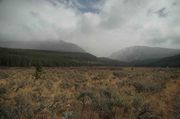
{"x":99,"y":26}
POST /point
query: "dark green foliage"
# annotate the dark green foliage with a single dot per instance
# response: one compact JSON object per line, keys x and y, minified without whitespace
{"x":173,"y":61}
{"x":28,"y":58}
{"x":38,"y":71}
{"x":39,"y":68}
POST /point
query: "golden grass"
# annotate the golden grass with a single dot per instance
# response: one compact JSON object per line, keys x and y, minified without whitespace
{"x":88,"y":93}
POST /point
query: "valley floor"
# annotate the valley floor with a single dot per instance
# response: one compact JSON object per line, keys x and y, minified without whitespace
{"x":90,"y":93}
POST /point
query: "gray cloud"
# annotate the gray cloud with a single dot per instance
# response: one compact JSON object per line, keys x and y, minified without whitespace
{"x":162,"y":12}
{"x":100,"y":27}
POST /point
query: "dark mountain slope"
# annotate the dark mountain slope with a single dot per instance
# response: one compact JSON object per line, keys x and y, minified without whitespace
{"x":173,"y":61}
{"x":26,"y":58}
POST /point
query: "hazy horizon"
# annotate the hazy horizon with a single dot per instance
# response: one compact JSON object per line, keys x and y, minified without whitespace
{"x":98,"y":26}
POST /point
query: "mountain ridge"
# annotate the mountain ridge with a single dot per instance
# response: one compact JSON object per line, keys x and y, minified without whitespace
{"x":134,"y":53}
{"x":27,"y":57}
{"x":42,"y":45}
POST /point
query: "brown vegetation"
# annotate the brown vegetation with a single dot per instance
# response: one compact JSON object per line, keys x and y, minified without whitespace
{"x":89,"y":93}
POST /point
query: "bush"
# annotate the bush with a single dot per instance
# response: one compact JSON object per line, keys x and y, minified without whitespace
{"x":147,"y":86}
{"x":3,"y":75}
{"x":108,"y":103}
{"x":68,"y":115}
{"x":8,"y":112}
{"x":176,"y":110}
{"x":86,"y":98}
{"x":137,"y":102}
{"x":105,"y":109}
{"x":99,"y":76}
{"x":119,"y":74}
{"x":17,"y":84}
{"x":65,"y":84}
{"x":3,"y":90}
{"x":146,"y":112}
{"x":38,"y":71}
{"x":21,"y":108}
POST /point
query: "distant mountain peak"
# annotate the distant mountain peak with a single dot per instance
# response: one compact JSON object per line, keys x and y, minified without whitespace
{"x":42,"y":45}
{"x":134,"y":53}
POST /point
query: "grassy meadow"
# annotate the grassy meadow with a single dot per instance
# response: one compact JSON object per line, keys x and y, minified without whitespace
{"x":90,"y":93}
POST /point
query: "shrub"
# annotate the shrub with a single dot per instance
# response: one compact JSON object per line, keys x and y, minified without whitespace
{"x":67,"y":115}
{"x":146,"y":112}
{"x":23,"y":105}
{"x":76,"y":86}
{"x":21,"y":108}
{"x":3,"y":90}
{"x":105,"y":109}
{"x":86,"y":98}
{"x":3,"y":75}
{"x":147,"y":86}
{"x":8,"y":112}
{"x":176,"y":109}
{"x":75,"y":75}
{"x":65,"y":84}
{"x":38,"y":71}
{"x":119,"y":74}
{"x":17,"y":84}
{"x":99,"y":76}
{"x":108,"y":103}
{"x":137,"y":102}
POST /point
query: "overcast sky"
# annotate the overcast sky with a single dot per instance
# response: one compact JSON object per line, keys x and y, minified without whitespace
{"x":99,"y":26}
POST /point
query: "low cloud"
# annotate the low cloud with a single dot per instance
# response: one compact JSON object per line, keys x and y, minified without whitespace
{"x":99,"y":26}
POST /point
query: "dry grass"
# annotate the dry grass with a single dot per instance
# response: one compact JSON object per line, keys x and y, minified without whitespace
{"x":89,"y":93}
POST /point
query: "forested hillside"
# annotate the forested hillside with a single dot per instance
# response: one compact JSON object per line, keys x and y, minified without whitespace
{"x":173,"y":61}
{"x":28,"y":58}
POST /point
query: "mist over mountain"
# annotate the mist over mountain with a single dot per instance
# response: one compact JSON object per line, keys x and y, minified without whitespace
{"x":135,"y":53}
{"x":42,"y":45}
{"x":99,"y":26}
